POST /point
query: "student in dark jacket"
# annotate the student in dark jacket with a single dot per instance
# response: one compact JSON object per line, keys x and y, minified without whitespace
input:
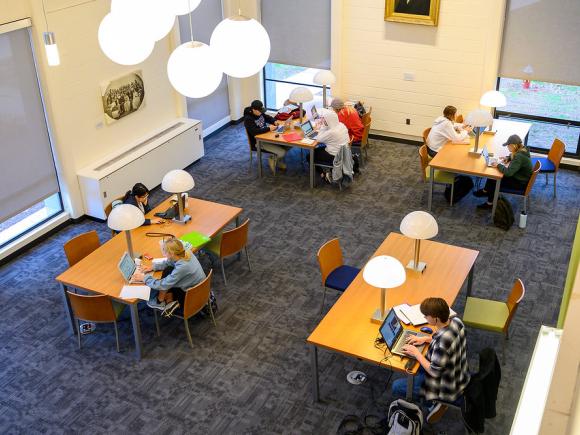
{"x":516,"y":170}
{"x":257,"y":122}
{"x":139,"y":197}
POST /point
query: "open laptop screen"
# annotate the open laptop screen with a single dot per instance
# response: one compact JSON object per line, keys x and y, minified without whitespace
{"x":485,"y":154}
{"x":391,"y":328}
{"x":306,"y":127}
{"x":314,"y":112}
{"x":127,"y":266}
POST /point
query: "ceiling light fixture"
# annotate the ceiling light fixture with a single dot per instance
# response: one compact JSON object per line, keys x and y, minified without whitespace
{"x":52,"y":56}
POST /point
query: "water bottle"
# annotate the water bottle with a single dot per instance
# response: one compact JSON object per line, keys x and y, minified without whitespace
{"x":523,"y":219}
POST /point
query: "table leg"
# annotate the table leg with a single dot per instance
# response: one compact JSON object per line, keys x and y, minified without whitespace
{"x":68,"y":310}
{"x":259,"y":149}
{"x":136,"y":330}
{"x":495,"y":196}
{"x":315,"y":387}
{"x":409,"y":395}
{"x":470,"y":280}
{"x":430,"y":198}
{"x":312,"y":168}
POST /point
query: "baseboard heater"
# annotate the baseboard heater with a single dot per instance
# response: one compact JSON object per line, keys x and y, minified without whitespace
{"x":174,"y":146}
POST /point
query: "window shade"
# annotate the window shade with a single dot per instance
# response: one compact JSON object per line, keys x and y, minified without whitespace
{"x":27,"y":175}
{"x":299,"y":31}
{"x":543,"y":34}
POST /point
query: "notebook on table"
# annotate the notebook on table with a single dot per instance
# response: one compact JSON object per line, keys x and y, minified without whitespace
{"x":291,"y":137}
{"x":195,"y":239}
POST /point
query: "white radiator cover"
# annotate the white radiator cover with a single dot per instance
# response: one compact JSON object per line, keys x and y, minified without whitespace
{"x":175,"y":146}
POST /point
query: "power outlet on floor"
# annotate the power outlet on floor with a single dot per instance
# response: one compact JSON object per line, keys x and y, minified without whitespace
{"x":408,"y":121}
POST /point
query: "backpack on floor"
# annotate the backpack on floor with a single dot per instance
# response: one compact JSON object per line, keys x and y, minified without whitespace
{"x":461,"y":187}
{"x":504,"y":215}
{"x":404,"y":418}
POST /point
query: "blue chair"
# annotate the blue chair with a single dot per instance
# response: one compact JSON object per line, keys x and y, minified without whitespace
{"x":551,"y":163}
{"x":335,"y":274}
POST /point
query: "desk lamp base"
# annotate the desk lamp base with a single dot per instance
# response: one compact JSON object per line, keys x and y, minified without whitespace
{"x":420,"y":267}
{"x":185,"y":219}
{"x":378,"y":318}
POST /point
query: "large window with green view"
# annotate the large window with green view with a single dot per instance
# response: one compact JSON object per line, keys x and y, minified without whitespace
{"x":280,"y":79}
{"x":553,"y":109}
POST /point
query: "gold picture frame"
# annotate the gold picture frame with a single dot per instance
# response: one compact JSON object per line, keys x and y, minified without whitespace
{"x":424,"y":12}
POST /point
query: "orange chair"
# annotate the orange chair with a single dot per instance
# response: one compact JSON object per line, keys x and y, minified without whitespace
{"x":229,"y":243}
{"x":440,"y":177}
{"x":80,"y":246}
{"x":551,"y":163}
{"x":425,"y":135}
{"x":95,"y":309}
{"x":526,"y":193}
{"x":196,"y":298}
{"x":334,"y":273}
{"x":364,"y":142}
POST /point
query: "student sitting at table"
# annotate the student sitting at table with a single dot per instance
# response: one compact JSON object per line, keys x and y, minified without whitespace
{"x":444,"y":372}
{"x":139,"y":197}
{"x":516,"y":169}
{"x":331,"y":137}
{"x":181,"y":270}
{"x":446,"y":129}
{"x":349,"y":117}
{"x":257,"y":122}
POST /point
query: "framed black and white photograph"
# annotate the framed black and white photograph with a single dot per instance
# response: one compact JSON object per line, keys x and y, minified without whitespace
{"x":123,"y":96}
{"x":424,"y":12}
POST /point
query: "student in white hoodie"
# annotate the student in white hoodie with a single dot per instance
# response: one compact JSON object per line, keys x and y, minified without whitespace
{"x":445,"y":129}
{"x":331,"y":137}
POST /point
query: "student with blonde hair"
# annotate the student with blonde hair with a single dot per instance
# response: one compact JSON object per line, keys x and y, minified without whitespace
{"x":181,"y":270}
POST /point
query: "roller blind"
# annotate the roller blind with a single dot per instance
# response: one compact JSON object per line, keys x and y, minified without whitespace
{"x":27,"y":173}
{"x":299,"y":31}
{"x":544,"y":35}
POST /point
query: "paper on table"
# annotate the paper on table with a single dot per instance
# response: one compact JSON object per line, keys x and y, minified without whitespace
{"x":399,"y":312}
{"x":414,"y":314}
{"x":135,"y":292}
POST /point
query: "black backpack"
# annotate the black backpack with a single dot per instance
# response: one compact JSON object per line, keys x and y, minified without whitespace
{"x":504,"y":215}
{"x":461,"y":187}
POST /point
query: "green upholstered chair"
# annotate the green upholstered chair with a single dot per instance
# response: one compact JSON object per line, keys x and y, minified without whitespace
{"x":229,"y":243}
{"x":494,"y":316}
{"x":440,"y":177}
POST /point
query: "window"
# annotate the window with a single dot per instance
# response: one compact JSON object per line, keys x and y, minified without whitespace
{"x":30,"y":193}
{"x":280,"y":79}
{"x":553,"y":109}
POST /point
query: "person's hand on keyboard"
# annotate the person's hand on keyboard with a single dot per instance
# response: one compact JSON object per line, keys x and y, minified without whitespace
{"x":416,"y":341}
{"x":411,"y":350}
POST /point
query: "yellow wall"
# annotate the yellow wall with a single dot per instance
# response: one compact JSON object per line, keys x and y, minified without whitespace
{"x":453,"y":63}
{"x":71,"y":90}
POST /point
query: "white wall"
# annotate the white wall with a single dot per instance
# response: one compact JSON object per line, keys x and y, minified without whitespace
{"x":453,"y":63}
{"x":71,"y":90}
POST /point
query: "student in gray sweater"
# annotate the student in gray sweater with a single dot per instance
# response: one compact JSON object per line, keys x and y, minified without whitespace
{"x":185,"y":272}
{"x":516,"y":170}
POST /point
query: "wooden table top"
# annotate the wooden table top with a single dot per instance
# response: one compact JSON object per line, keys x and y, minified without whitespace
{"x":271,"y":137}
{"x":98,"y":271}
{"x":347,"y":327}
{"x":456,"y":158}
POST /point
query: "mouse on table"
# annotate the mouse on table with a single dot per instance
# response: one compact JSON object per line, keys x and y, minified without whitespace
{"x":426,"y":330}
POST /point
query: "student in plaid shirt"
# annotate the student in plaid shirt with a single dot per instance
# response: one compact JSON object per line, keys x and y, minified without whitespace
{"x":444,"y":373}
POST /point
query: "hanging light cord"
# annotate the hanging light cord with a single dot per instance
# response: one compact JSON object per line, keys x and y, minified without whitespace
{"x":239,"y":8}
{"x":44,"y":13}
{"x":190,"y":27}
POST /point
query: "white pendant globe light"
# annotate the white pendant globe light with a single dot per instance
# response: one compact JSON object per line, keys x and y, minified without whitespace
{"x":242,"y":46}
{"x":182,"y":7}
{"x":121,"y":44}
{"x":151,"y":19}
{"x":193,"y":71}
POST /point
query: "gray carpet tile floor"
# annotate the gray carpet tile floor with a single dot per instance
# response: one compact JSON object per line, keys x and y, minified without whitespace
{"x":251,"y":373}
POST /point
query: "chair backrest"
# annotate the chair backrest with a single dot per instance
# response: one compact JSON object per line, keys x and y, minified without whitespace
{"x":365,"y":136}
{"x":252,"y":147}
{"x":556,"y":152}
{"x":424,"y":161}
{"x":513,"y":301}
{"x":367,"y":116}
{"x":329,"y":258}
{"x":233,"y":241}
{"x":196,"y":297}
{"x":537,"y":168}
{"x":425,"y":135}
{"x":80,"y":246}
{"x":91,"y":308}
{"x":459,"y":118}
{"x":109,"y":206}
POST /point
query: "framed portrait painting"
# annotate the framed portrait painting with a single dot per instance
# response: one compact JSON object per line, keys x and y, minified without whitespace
{"x":424,"y":12}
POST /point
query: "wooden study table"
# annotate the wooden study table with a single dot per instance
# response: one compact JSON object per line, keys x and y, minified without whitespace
{"x":347,"y":328}
{"x":98,"y":272}
{"x":456,"y":158}
{"x":270,"y":137}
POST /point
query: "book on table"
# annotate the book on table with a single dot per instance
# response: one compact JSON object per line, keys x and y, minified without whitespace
{"x":195,"y":239}
{"x":411,"y":314}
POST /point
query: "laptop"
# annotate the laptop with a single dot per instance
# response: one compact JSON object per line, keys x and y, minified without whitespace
{"x":171,"y":213}
{"x":489,"y":161}
{"x":128,"y":267}
{"x":395,"y":335}
{"x":309,"y":132}
{"x":314,"y":113}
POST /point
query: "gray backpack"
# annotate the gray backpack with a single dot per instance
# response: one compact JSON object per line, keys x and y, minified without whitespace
{"x":404,"y":418}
